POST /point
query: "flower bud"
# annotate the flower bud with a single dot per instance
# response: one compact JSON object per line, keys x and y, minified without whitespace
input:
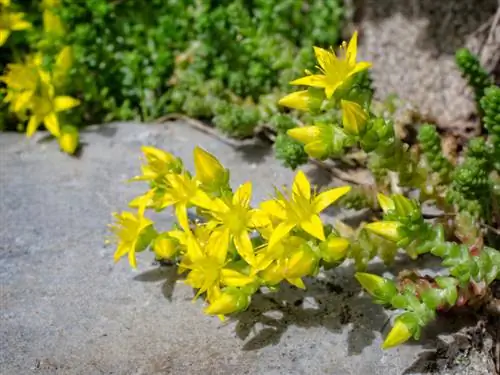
{"x":300,"y":262}
{"x":386,"y":203}
{"x":354,"y":117}
{"x":231,"y":300}
{"x":209,"y":171}
{"x":305,"y":134}
{"x":386,"y":229}
{"x":69,"y":139}
{"x":272,"y":274}
{"x":164,"y":247}
{"x":379,"y":288}
{"x":334,"y":249}
{"x":405,"y":326}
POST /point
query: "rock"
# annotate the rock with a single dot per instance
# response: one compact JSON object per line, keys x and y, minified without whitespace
{"x":67,"y":309}
{"x":412,"y":46}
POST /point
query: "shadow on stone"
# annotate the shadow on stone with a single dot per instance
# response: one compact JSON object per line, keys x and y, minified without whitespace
{"x":106,"y":130}
{"x":256,"y":152}
{"x":166,"y":272}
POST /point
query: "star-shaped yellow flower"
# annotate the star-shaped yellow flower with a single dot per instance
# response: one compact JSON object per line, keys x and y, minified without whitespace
{"x":335,"y":70}
{"x":300,"y":209}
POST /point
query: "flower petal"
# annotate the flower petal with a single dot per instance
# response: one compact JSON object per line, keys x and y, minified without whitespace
{"x":325,"y":58}
{"x":63,"y":103}
{"x":314,"y":227}
{"x":297,"y":282}
{"x":231,"y":277}
{"x":258,"y":219}
{"x":243,"y":195}
{"x":274,"y":208}
{"x":33,"y":124}
{"x":352,"y":49}
{"x":244,"y":247}
{"x":301,"y":186}
{"x":4,"y":35}
{"x":201,"y":199}
{"x":317,"y":149}
{"x":314,"y":80}
{"x":217,"y":245}
{"x":279,"y":233}
{"x":326,"y":198}
{"x":182,"y":218}
{"x":132,"y":259}
{"x":386,"y":229}
{"x":52,"y":124}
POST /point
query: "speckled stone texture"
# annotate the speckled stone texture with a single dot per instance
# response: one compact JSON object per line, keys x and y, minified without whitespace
{"x":412,"y":45}
{"x":66,"y":309}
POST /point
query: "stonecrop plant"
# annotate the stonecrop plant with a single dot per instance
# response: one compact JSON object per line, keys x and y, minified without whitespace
{"x":229,"y":249}
{"x":35,"y":84}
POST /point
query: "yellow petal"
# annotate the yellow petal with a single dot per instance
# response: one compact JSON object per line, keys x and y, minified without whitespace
{"x":314,"y":80}
{"x":385,"y":202}
{"x":301,"y":186}
{"x":297,"y":282}
{"x":63,"y":103}
{"x":244,"y":247}
{"x":20,"y":25}
{"x":352,"y":49}
{"x":228,"y":302}
{"x":33,"y":124}
{"x":326,"y":59}
{"x":386,"y":229}
{"x":4,"y":35}
{"x":314,"y":227}
{"x":297,"y":100}
{"x":274,"y":208}
{"x":69,"y":141}
{"x":279,"y":233}
{"x":120,"y":252}
{"x":64,"y":61}
{"x":52,"y":124}
{"x":362,"y":65}
{"x":326,"y":198}
{"x":182,"y":218}
{"x":231,"y":277}
{"x":398,"y":335}
{"x":258,"y":219}
{"x":132,"y":259}
{"x":305,"y":134}
{"x":334,"y":249}
{"x":22,"y":101}
{"x":354,"y":117}
{"x":201,"y":199}
{"x":217,"y":245}
{"x":243,"y":195}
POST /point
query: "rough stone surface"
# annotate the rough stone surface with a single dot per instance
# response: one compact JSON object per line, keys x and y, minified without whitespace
{"x":412,"y":46}
{"x":67,"y":309}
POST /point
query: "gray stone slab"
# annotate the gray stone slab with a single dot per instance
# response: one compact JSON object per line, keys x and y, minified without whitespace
{"x":67,"y":309}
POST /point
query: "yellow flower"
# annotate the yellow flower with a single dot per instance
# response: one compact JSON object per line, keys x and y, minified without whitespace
{"x":11,"y":21}
{"x":231,"y":300}
{"x":159,"y":163}
{"x":335,"y":70}
{"x":133,"y":232}
{"x":181,"y":191}
{"x":5,"y":3}
{"x":354,"y":117}
{"x":291,"y":259}
{"x":300,"y":209}
{"x":386,"y":229}
{"x":52,"y":23}
{"x":69,"y":139}
{"x":45,"y":109}
{"x":206,"y":263}
{"x":209,"y":171}
{"x":236,"y":219}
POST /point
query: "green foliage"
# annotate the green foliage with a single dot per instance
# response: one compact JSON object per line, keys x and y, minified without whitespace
{"x":472,"y":70}
{"x":289,"y":151}
{"x":490,"y":104}
{"x":430,"y":141}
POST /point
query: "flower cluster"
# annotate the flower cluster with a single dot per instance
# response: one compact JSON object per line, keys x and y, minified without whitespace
{"x":231,"y":249}
{"x":32,"y":90}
